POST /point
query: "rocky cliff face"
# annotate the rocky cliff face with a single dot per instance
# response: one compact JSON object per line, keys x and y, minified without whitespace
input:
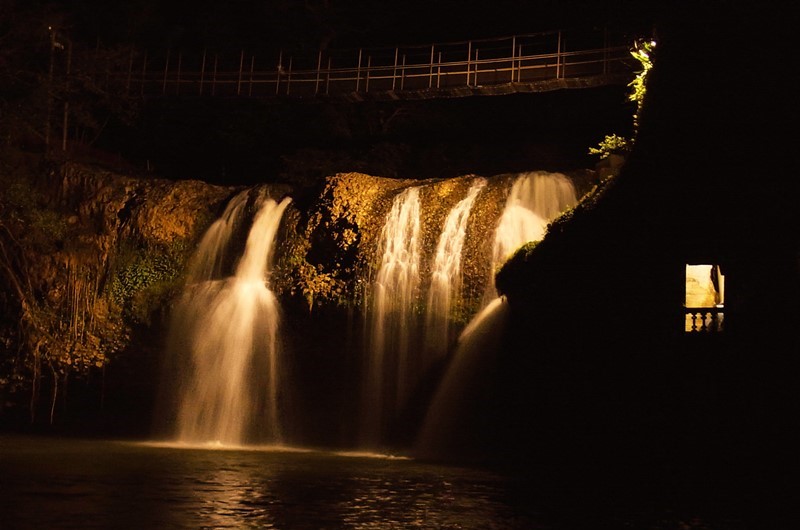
{"x":88,"y":257}
{"x":92,"y":261}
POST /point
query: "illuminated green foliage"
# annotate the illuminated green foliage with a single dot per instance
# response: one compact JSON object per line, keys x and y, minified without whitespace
{"x":612,"y":143}
{"x":642,"y":52}
{"x":145,"y":278}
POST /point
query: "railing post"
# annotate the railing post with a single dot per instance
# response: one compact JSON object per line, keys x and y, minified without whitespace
{"x":394,"y":70}
{"x":558,"y":57}
{"x":328,"y":78}
{"x":289,"y":77}
{"x":252,"y":67}
{"x":369,"y":65}
{"x":476,"y":66}
{"x":319,"y":66}
{"x":278,"y":69}
{"x":144,"y":74}
{"x":166,"y":69}
{"x":178,"y":77}
{"x":358,"y":71}
{"x":214,"y":77}
{"x":239,"y":80}
{"x":439,"y":71}
{"x":513,"y":55}
{"x":469,"y":57}
{"x":403,"y":74}
{"x":430,"y":73}
{"x":202,"y":72}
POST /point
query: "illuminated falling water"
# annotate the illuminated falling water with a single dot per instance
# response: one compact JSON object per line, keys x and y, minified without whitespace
{"x":535,"y":199}
{"x":229,"y":330}
{"x":449,"y":425}
{"x":209,"y":259}
{"x":394,"y":293}
{"x":446,"y":274}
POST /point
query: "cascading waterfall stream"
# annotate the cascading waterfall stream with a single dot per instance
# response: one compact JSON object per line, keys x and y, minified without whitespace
{"x":228,"y":330}
{"x":448,"y":424}
{"x":209,"y":258}
{"x":445,"y":288}
{"x":394,"y":293}
{"x":535,"y":199}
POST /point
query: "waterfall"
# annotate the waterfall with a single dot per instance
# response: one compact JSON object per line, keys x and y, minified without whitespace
{"x":445,"y":288}
{"x":454,"y":417}
{"x":535,"y":199}
{"x":450,"y":426}
{"x":226,"y":331}
{"x":389,"y":361}
{"x":209,"y":259}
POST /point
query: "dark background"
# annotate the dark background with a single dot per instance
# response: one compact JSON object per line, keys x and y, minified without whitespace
{"x":318,"y":24}
{"x":249,"y":141}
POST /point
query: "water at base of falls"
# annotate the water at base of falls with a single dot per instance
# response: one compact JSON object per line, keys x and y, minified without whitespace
{"x":225,"y":333}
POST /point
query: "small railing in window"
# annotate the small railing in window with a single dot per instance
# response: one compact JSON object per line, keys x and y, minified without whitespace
{"x":705,"y":319}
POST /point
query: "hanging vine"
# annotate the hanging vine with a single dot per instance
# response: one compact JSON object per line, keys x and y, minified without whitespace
{"x":614,"y":144}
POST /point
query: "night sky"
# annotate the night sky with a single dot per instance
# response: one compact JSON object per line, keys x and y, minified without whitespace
{"x":334,"y":23}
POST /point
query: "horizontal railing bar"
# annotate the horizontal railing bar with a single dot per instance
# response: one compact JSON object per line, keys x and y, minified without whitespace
{"x":220,"y":76}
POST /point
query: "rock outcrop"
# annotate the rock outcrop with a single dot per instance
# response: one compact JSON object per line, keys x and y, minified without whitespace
{"x":94,"y":260}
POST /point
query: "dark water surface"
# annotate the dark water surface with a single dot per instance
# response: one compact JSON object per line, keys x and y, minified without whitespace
{"x":48,"y":483}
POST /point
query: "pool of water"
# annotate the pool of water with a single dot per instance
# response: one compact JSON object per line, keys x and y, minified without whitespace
{"x":49,"y":483}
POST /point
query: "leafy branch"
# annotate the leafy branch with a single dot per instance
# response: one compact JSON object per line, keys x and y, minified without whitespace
{"x":614,"y":144}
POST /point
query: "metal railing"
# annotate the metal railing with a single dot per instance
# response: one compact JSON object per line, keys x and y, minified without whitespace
{"x":528,"y":62}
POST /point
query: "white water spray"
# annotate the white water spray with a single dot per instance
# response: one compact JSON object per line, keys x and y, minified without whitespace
{"x":228,"y":328}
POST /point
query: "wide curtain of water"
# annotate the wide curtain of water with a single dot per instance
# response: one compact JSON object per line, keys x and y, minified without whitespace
{"x":224,"y":334}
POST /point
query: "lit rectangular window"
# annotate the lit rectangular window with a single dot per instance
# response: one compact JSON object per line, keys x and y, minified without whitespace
{"x":705,"y":298}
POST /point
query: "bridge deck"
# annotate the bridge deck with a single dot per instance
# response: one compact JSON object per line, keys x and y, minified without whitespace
{"x":522,"y":63}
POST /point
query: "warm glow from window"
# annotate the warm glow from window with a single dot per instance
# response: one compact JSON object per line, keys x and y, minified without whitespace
{"x":705,"y":288}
